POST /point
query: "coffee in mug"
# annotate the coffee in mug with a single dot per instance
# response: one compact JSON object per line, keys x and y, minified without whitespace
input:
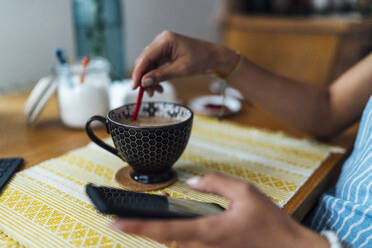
{"x":148,"y":121}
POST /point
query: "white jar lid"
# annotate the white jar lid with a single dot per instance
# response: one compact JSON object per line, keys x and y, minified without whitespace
{"x":39,"y":96}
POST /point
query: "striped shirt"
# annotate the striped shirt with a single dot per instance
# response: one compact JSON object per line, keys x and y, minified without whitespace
{"x":347,"y":208}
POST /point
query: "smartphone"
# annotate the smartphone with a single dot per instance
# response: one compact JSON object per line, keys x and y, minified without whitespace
{"x":130,"y":204}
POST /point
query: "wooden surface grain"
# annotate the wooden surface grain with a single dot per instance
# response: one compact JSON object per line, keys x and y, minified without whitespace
{"x":320,"y":25}
{"x":48,"y":138}
{"x":306,"y":49}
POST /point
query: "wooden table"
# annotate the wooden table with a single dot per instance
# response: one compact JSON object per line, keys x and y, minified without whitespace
{"x":48,"y":138}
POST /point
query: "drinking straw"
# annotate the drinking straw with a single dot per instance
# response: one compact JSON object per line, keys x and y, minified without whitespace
{"x":138,"y":103}
{"x":84,"y":63}
{"x":62,"y":60}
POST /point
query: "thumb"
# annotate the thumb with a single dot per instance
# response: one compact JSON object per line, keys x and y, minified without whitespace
{"x":222,"y":185}
{"x":163,"y":73}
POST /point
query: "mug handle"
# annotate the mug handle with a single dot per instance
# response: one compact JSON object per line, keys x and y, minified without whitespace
{"x":97,"y":140}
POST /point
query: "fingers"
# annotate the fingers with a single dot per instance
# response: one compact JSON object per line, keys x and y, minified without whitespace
{"x":154,"y":54}
{"x":163,"y":231}
{"x":190,"y":244}
{"x":146,"y":62}
{"x":216,"y":183}
{"x":163,"y":73}
{"x":151,"y":90}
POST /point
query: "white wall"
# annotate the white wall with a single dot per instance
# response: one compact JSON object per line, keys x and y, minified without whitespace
{"x":29,"y":33}
{"x":144,"y":19}
{"x":31,"y":30}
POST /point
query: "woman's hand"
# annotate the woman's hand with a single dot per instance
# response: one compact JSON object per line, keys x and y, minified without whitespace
{"x":252,"y":220}
{"x":173,"y":55}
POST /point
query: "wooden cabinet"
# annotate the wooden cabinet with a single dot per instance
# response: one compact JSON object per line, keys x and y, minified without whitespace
{"x":311,"y":50}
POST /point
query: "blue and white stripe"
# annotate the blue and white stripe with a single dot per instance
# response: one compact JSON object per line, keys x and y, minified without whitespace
{"x":347,"y":209}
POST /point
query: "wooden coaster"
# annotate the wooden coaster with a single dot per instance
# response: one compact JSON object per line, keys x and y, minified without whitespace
{"x":123,"y":178}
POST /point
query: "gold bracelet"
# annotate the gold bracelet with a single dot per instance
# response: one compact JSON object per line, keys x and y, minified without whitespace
{"x":225,"y":81}
{"x":235,"y":69}
{"x":223,"y":105}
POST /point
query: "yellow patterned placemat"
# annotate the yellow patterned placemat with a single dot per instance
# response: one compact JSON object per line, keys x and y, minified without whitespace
{"x":46,"y":205}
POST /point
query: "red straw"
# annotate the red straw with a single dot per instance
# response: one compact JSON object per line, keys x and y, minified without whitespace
{"x":84,"y":62}
{"x":138,"y":104}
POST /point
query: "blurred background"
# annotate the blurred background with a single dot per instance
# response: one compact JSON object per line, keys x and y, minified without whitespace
{"x":32,"y":30}
{"x":309,"y":40}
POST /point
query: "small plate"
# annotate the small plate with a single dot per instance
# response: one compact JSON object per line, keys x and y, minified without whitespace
{"x":211,"y":105}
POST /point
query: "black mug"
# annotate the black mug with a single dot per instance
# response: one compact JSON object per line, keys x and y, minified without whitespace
{"x":151,"y":151}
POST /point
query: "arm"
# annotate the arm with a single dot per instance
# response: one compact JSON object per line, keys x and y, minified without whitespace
{"x":320,"y":112}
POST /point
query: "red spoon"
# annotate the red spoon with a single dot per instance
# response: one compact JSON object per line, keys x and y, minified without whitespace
{"x":138,"y":103}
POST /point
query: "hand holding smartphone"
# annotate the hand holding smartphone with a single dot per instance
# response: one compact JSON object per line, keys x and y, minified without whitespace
{"x":130,"y":204}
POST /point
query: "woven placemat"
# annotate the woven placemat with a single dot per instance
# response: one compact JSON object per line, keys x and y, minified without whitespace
{"x":46,"y":205}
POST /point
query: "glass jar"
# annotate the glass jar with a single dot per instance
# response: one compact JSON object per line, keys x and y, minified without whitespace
{"x":77,"y":100}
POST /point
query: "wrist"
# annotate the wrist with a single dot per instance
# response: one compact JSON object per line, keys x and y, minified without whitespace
{"x":225,"y":61}
{"x":311,"y":239}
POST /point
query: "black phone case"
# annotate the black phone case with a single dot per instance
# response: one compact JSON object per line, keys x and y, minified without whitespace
{"x":129,"y":204}
{"x":8,"y":166}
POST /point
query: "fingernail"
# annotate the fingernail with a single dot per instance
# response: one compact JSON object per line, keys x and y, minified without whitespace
{"x":117,"y":226}
{"x":148,"y":82}
{"x":193,"y":180}
{"x":164,"y":193}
